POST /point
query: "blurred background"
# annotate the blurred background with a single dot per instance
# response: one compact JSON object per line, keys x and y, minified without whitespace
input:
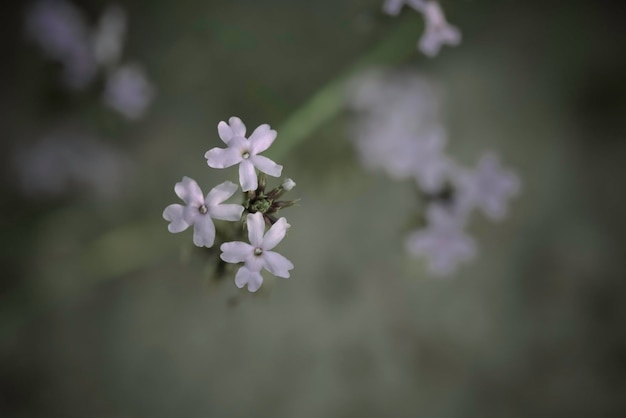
{"x":103,"y":313}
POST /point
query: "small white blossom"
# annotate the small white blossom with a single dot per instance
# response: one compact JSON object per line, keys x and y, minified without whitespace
{"x":257,"y":254}
{"x":244,"y":152}
{"x":234,"y":127}
{"x":199,"y":210}
{"x":442,"y":241}
{"x":128,"y":91}
{"x":489,"y":186}
{"x":438,"y":31}
{"x":288,"y":184}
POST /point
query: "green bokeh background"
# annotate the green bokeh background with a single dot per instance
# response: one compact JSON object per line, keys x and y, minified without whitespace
{"x":103,"y":313}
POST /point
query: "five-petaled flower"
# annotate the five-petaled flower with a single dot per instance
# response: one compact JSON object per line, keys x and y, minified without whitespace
{"x":200,"y":210}
{"x":443,"y":242}
{"x":258,"y":255}
{"x":244,"y":152}
{"x":438,"y":31}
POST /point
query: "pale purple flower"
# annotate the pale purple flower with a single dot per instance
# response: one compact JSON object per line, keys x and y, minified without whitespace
{"x":244,"y":152}
{"x":61,"y":31}
{"x":234,"y":127}
{"x":108,"y":37}
{"x":128,"y":91}
{"x":438,"y":31}
{"x":199,"y":210}
{"x":489,"y":186}
{"x":443,"y":241}
{"x":258,"y":255}
{"x":431,"y":166}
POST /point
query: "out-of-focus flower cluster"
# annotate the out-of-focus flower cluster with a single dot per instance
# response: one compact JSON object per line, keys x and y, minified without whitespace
{"x":65,"y":35}
{"x":258,"y":210}
{"x":438,"y":31}
{"x":398,"y":130}
{"x":65,"y":161}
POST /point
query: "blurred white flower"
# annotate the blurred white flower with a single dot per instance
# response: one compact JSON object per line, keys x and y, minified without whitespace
{"x":61,"y":31}
{"x":63,"y":162}
{"x":108,"y":37}
{"x":489,"y":187}
{"x":128,"y":91}
{"x":244,"y":152}
{"x":258,"y":255}
{"x":200,"y":210}
{"x":443,"y":241}
{"x":397,"y":128}
{"x":438,"y":31}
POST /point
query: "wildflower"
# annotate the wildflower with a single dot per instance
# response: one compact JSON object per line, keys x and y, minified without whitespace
{"x":443,"y":241}
{"x":244,"y":152}
{"x":489,"y":186}
{"x":438,"y":31}
{"x":200,"y":210}
{"x":234,"y":127}
{"x":128,"y":91}
{"x":61,"y":31}
{"x":258,"y":255}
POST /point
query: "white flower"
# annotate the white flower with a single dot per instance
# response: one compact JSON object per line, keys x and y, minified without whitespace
{"x":199,"y":210}
{"x":443,"y":241}
{"x":489,"y":186}
{"x":128,"y":91}
{"x":257,"y":254}
{"x":438,"y":31}
{"x":61,"y":31}
{"x":431,"y":166}
{"x":244,"y":152}
{"x":234,"y":127}
{"x":288,"y":184}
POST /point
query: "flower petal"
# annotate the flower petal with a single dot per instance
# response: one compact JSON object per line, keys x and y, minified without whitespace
{"x":256,"y":228}
{"x":275,"y":234}
{"x":253,"y":279}
{"x":261,"y":139}
{"x":237,"y":126}
{"x":189,"y":191}
{"x":220,"y":193}
{"x":266,"y":165}
{"x":203,"y":231}
{"x":225,"y":132}
{"x":174,"y":214}
{"x":236,"y":251}
{"x":247,"y":176}
{"x":223,"y":157}
{"x":277,"y":264}
{"x":226,"y":212}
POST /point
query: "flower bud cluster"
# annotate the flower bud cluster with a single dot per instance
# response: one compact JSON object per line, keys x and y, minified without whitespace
{"x":398,"y":130}
{"x":258,"y":210}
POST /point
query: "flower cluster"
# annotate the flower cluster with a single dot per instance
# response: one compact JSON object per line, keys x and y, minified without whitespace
{"x":62,"y":31}
{"x":399,"y":131}
{"x":438,"y":31}
{"x":257,"y":211}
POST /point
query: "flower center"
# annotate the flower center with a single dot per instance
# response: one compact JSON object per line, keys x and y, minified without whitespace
{"x":258,"y":251}
{"x":245,"y":155}
{"x":203,"y":209}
